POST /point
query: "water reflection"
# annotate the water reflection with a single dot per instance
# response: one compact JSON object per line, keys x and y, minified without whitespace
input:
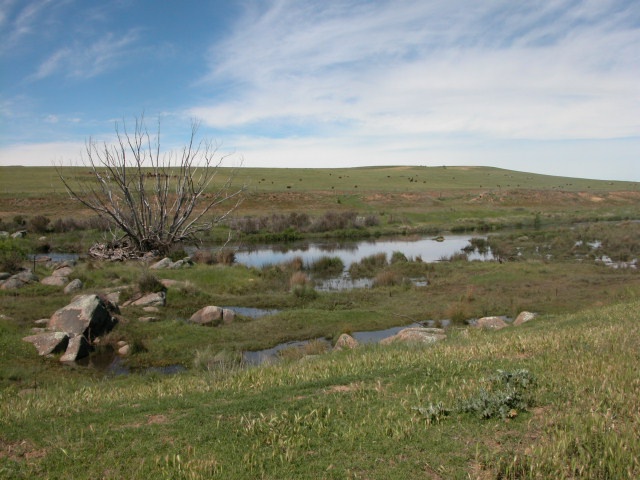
{"x":428,"y":249}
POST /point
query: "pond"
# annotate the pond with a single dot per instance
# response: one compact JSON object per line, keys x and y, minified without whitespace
{"x":428,"y":249}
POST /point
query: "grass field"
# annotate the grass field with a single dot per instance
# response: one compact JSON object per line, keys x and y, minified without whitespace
{"x":555,"y":398}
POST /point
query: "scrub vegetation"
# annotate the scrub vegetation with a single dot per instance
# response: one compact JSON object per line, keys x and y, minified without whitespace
{"x":557,"y":397}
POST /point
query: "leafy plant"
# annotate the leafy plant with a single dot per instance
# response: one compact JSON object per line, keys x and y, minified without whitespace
{"x":12,"y":255}
{"x":506,"y":394}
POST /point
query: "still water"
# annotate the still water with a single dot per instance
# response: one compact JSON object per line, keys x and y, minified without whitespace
{"x":429,"y":249}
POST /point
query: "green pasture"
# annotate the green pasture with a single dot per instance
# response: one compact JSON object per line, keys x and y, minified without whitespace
{"x":569,"y":409}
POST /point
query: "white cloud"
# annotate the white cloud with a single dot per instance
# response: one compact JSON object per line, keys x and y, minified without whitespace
{"x":86,"y":61}
{"x":505,"y":70}
{"x":42,"y":154}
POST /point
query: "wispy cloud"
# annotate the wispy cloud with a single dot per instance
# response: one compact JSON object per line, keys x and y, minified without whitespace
{"x":551,"y":70}
{"x":86,"y":61}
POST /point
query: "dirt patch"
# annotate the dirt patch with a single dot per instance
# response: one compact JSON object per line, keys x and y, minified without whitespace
{"x":20,"y":450}
{"x":343,"y":388}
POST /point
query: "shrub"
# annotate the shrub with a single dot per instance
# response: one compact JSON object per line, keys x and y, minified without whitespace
{"x":398,"y":257}
{"x":305,"y":292}
{"x":203,"y":256}
{"x":149,"y":283}
{"x":506,"y":394}
{"x":368,"y":266}
{"x":327,"y":266}
{"x":39,"y":224}
{"x":387,"y":279}
{"x":298,"y":279}
{"x":12,"y":254}
{"x":225,"y":256}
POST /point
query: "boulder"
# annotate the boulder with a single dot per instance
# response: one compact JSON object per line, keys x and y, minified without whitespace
{"x":19,"y":280}
{"x":88,"y":315}
{"x":228,"y":315}
{"x":164,"y":263}
{"x":49,"y":342}
{"x":73,"y":286}
{"x":209,"y":315}
{"x":523,"y":317}
{"x":62,"y":271}
{"x":55,"y":281}
{"x":491,"y":323}
{"x":78,"y":348}
{"x":11,"y":284}
{"x":156,"y":299}
{"x":416,"y":335}
{"x":345,"y":341}
{"x":19,"y":234}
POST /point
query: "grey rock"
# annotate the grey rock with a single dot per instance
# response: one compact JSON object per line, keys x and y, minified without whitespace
{"x":19,"y":234}
{"x":87,"y":315}
{"x":55,"y":281}
{"x":49,"y":342}
{"x":164,"y":263}
{"x":416,"y":335}
{"x":523,"y":317}
{"x":228,"y":315}
{"x":345,"y":341}
{"x":73,"y":286}
{"x":156,"y":299}
{"x":78,"y":348}
{"x":491,"y":323}
{"x":209,"y":315}
{"x":12,"y":284}
{"x":62,"y":271}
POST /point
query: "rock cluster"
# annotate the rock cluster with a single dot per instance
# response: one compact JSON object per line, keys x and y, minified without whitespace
{"x":75,"y":327}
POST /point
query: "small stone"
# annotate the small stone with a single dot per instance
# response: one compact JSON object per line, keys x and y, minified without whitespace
{"x":124,"y":350}
{"x":156,"y":299}
{"x":491,"y":323}
{"x":147,"y":319}
{"x":73,"y":286}
{"x":55,"y":281}
{"x":345,"y":341}
{"x":523,"y":317}
{"x":416,"y":335}
{"x":64,"y":271}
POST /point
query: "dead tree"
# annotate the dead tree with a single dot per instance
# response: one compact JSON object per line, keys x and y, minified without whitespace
{"x":154,"y":199}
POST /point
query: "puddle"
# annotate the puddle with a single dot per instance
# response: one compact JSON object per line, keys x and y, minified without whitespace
{"x":270,"y":355}
{"x":250,"y":312}
{"x":107,"y":361}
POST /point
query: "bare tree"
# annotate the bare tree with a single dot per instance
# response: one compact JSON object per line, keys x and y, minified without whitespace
{"x":154,"y":199}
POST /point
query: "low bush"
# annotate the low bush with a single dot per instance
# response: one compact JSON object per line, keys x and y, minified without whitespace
{"x":149,"y":283}
{"x":368,"y":266}
{"x":327,"y":266}
{"x":12,"y":255}
{"x":506,"y":394}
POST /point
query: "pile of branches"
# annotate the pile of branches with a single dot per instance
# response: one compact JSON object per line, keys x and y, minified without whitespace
{"x":118,"y":251}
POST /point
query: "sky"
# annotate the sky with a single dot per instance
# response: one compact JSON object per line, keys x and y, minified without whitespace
{"x":543,"y":86}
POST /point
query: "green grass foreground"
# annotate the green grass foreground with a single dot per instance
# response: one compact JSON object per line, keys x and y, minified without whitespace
{"x":352,"y":414}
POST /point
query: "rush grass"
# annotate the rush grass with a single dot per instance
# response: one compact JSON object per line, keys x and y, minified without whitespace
{"x":351,"y":414}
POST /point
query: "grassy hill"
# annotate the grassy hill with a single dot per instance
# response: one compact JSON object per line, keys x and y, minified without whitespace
{"x":395,"y":412}
{"x":558,"y":397}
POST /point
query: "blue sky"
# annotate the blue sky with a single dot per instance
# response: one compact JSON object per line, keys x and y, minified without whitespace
{"x":542,"y":86}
